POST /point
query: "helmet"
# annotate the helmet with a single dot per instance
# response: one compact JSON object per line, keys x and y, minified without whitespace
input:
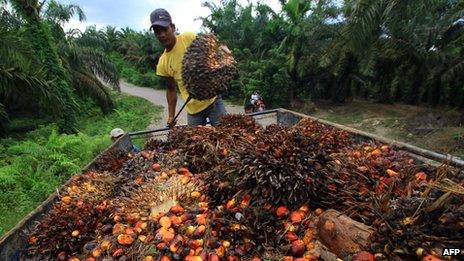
{"x":116,"y":132}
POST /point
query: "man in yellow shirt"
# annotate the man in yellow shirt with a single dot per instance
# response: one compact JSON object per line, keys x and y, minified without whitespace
{"x":169,"y":68}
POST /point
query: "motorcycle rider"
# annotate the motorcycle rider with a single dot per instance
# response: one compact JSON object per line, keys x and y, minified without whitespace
{"x":255,"y":97}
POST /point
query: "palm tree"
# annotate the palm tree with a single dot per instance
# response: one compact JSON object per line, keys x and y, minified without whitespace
{"x":61,"y":65}
{"x":40,"y":37}
{"x":22,"y":77}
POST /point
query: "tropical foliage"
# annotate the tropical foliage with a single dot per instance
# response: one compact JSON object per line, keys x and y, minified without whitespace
{"x":45,"y":71}
{"x":32,"y":167}
{"x":386,"y":50}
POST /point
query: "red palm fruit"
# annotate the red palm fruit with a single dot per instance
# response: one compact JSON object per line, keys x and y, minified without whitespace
{"x":161,"y":246}
{"x":282,"y":211}
{"x":118,"y":252}
{"x":183,"y":171}
{"x":290,"y":236}
{"x":421,"y":176}
{"x":156,"y":167}
{"x":298,"y":248}
{"x":363,"y":256}
{"x":177,"y":209}
{"x":213,"y":257}
{"x":296,"y":216}
{"x":175,"y":220}
{"x":245,"y":201}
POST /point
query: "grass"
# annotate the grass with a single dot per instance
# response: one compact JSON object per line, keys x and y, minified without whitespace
{"x":398,"y":121}
{"x":34,"y":165}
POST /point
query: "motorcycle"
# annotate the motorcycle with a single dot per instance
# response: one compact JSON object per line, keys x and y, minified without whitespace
{"x":256,"y":107}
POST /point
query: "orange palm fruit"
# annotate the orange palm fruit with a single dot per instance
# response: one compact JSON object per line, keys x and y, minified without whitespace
{"x":165,"y":222}
{"x":96,"y":252}
{"x":195,"y":194}
{"x":105,"y":245}
{"x":176,"y":221}
{"x":66,"y":200}
{"x":220,"y":251}
{"x":190,"y":230}
{"x":304,"y":209}
{"x":124,"y":239}
{"x":165,"y":258}
{"x":230,"y":204}
{"x":201,"y":219}
{"x":193,"y":258}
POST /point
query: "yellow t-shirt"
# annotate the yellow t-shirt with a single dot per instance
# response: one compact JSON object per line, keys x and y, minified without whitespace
{"x":170,"y":65}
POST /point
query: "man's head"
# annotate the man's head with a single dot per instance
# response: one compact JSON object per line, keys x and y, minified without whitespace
{"x":163,"y":27}
{"x":116,"y":133}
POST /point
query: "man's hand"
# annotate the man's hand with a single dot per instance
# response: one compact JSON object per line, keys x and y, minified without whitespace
{"x":171,"y":123}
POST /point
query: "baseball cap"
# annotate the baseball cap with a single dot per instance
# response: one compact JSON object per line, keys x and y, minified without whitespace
{"x":160,"y":17}
{"x":116,"y":132}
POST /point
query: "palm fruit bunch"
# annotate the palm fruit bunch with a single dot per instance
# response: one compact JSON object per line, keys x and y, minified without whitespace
{"x":207,"y":67}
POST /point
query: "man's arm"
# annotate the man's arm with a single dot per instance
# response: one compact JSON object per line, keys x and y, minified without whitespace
{"x":171,"y":97}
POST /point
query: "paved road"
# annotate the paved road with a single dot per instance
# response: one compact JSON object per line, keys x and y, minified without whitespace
{"x":158,"y":97}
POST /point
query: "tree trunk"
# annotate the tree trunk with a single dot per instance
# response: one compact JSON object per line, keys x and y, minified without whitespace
{"x":341,"y":234}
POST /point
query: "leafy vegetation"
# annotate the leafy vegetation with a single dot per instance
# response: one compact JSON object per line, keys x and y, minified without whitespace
{"x":55,"y":107}
{"x":132,"y":74}
{"x":386,"y":51}
{"x":135,"y":54}
{"x":33,"y":166}
{"x":46,"y":71}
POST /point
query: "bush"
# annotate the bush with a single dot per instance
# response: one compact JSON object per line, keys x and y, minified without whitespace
{"x":32,"y":168}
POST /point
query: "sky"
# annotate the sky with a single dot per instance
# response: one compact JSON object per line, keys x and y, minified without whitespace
{"x":136,"y":13}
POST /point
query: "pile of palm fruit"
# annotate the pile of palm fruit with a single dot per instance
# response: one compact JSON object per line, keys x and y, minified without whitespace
{"x":243,"y":192}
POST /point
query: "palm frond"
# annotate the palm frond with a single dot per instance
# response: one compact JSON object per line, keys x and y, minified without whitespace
{"x":101,"y":66}
{"x":21,"y":72}
{"x":454,"y":71}
{"x":87,"y":85}
{"x":61,"y":13}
